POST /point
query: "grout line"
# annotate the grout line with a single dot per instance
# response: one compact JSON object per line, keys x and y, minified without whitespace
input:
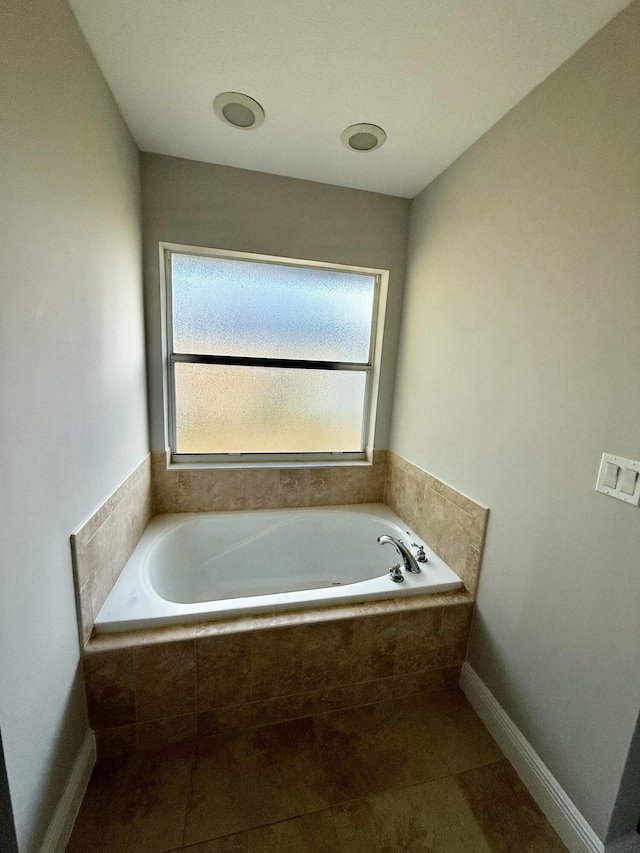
{"x":135,"y":693}
{"x":188,"y":797}
{"x":331,"y":807}
{"x":233,"y":729}
{"x":500,"y":760}
{"x":195,"y":681}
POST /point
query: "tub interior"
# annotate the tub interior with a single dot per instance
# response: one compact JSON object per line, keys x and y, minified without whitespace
{"x":282,"y":552}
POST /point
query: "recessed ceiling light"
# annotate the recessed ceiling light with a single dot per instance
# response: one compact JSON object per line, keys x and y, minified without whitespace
{"x":238,"y":110}
{"x":363,"y":137}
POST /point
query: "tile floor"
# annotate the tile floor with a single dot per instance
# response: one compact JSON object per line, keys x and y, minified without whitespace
{"x":411,"y":775}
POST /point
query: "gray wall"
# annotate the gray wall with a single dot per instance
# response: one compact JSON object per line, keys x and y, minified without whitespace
{"x":72,"y":395}
{"x":200,"y":204}
{"x":519,"y":366}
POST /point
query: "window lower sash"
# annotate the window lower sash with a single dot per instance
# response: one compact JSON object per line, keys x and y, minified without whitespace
{"x":226,"y":454}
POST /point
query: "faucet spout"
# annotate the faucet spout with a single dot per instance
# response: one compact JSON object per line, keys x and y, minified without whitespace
{"x":408,"y":559}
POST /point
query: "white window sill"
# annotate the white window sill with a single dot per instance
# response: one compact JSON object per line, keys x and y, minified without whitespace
{"x":325,"y":463}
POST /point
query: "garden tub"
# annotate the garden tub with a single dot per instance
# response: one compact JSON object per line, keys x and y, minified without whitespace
{"x":203,"y":566}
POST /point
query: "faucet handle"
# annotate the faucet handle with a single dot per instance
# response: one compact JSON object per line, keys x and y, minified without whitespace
{"x":395,"y":573}
{"x":421,"y":557}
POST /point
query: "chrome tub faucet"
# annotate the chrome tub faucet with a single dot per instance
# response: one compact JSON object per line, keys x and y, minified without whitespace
{"x":408,"y":559}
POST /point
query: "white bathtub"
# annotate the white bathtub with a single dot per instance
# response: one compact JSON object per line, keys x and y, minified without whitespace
{"x":199,"y":566}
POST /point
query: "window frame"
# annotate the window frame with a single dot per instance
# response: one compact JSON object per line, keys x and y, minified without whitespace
{"x":170,"y":358}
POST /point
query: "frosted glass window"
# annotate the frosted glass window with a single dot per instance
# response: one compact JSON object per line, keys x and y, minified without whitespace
{"x":248,"y":409}
{"x":242,"y":308}
{"x":268,"y":356}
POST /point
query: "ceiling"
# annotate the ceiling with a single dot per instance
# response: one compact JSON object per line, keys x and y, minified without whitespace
{"x":435,"y":74}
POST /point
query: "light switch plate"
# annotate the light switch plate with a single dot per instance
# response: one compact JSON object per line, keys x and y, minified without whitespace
{"x":624,"y":465}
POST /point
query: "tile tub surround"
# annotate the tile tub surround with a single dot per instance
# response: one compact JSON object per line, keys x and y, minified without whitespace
{"x":222,"y":489}
{"x":103,"y":544}
{"x":151,"y":688}
{"x":451,"y":524}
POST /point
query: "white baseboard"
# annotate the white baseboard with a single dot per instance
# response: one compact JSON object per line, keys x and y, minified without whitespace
{"x":59,"y":832}
{"x":554,"y":801}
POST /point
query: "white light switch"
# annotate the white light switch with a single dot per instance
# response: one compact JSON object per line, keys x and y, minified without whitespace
{"x":619,"y":478}
{"x":628,"y":482}
{"x":610,"y":479}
